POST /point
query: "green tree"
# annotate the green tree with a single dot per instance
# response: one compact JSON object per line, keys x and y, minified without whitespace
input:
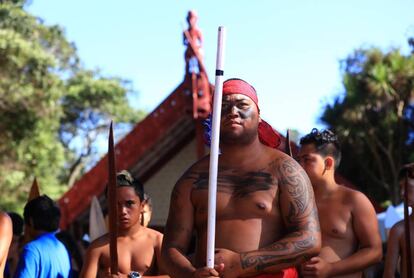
{"x":374,"y":119}
{"x":53,"y":111}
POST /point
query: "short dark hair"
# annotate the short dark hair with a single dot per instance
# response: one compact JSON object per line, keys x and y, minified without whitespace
{"x":43,"y":212}
{"x":124,"y":178}
{"x":326,"y":143}
{"x":17,"y":222}
{"x":406,"y":171}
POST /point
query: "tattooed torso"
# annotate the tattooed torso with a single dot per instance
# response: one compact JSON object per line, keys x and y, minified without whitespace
{"x":248,"y":215}
{"x":266,"y":212}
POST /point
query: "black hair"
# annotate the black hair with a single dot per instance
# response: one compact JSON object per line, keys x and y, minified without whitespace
{"x":124,"y":178}
{"x":71,"y":246}
{"x":326,"y":143}
{"x":406,"y":171}
{"x":42,"y":213}
{"x":17,"y":222}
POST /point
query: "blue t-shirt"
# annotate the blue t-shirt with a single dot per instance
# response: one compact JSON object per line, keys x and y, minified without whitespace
{"x":44,"y":257}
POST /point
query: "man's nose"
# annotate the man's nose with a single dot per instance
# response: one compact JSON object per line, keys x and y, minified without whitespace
{"x":233,"y":112}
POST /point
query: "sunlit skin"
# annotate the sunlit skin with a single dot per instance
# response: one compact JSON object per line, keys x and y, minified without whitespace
{"x":138,"y":247}
{"x":6,"y":235}
{"x":396,"y":250}
{"x":350,"y":237}
{"x":256,"y":187}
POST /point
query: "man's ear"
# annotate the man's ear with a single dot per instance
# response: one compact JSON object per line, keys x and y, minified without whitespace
{"x":329,"y":163}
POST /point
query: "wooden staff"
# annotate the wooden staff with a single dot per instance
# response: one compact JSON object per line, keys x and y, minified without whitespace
{"x":112,"y":204}
{"x":33,"y":194}
{"x":407,"y":228}
{"x":288,"y":148}
{"x":214,"y":149}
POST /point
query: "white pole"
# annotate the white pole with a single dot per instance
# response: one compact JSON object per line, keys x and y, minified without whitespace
{"x":214,"y":149}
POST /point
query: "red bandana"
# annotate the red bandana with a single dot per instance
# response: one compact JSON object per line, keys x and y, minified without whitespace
{"x":267,"y":135}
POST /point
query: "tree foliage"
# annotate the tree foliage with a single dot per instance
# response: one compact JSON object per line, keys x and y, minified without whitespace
{"x":374,"y":118}
{"x":53,"y":111}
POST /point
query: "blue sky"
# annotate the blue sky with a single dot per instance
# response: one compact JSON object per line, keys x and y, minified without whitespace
{"x":288,"y":50}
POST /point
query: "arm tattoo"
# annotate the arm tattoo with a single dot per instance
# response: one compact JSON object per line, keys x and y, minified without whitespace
{"x":295,"y":182}
{"x":265,"y":261}
{"x":301,"y":220}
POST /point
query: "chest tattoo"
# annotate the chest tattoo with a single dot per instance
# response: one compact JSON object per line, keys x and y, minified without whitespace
{"x":235,"y":183}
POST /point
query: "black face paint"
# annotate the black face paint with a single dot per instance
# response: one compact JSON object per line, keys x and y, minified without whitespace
{"x":240,"y":107}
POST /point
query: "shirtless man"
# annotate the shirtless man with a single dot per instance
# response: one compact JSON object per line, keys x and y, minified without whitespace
{"x":266,"y":218}
{"x":139,"y":248}
{"x":6,"y":235}
{"x":396,"y":246}
{"x":350,"y":236}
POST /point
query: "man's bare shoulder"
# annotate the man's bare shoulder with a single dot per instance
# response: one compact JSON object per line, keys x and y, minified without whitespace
{"x":4,"y":218}
{"x":200,"y":165}
{"x":185,"y":182}
{"x":354,"y":198}
{"x":5,"y":225}
{"x":276,"y":153}
{"x":398,"y":229}
{"x":283,"y":163}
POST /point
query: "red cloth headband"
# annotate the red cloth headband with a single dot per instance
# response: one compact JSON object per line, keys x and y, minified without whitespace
{"x":239,"y":86}
{"x":267,"y":135}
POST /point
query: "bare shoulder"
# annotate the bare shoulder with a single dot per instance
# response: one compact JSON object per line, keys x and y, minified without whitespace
{"x":154,"y":234}
{"x":200,"y":165}
{"x":5,"y":223}
{"x":398,"y":229}
{"x":5,"y":218}
{"x":355,"y":198}
{"x":155,"y":237}
{"x":285,"y":166}
{"x":183,"y":187}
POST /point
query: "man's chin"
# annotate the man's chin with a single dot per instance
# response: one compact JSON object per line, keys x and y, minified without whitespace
{"x":235,"y":138}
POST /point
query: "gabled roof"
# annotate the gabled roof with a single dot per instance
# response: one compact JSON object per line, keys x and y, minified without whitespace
{"x":142,"y":151}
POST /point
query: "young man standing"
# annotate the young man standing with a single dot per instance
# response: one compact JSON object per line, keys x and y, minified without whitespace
{"x":266,"y":218}
{"x":350,"y":236}
{"x":139,"y":248}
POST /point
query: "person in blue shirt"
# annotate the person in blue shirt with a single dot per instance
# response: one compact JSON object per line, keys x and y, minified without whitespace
{"x":44,"y":255}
